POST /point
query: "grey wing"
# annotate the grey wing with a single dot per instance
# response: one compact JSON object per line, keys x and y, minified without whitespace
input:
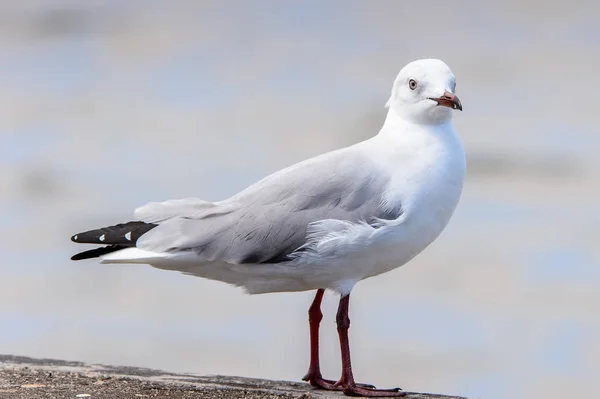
{"x":154,"y":212}
{"x":269,"y":220}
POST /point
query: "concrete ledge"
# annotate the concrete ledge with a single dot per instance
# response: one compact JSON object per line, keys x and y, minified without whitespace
{"x":23,"y":377}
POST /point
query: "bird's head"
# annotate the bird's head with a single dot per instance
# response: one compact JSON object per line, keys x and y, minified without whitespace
{"x":424,"y":92}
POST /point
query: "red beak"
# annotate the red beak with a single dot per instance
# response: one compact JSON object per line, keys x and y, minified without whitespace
{"x":448,"y":100}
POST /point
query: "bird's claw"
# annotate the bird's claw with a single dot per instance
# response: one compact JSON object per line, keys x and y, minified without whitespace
{"x":319,"y":382}
{"x":356,"y":390}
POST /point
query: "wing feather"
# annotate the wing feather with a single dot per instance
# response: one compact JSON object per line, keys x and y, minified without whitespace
{"x":271,"y":219}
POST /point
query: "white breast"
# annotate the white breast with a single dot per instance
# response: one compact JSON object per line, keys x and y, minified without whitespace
{"x":427,"y":180}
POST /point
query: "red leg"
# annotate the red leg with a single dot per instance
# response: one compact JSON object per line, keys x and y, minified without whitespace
{"x":347,"y":381}
{"x":313,"y":376}
{"x":314,"y":370}
{"x":314,"y":319}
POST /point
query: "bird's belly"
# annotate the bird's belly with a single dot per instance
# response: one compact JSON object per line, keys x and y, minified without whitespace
{"x":396,"y":244}
{"x":398,"y":247}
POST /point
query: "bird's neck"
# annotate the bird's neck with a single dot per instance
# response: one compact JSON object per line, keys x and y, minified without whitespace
{"x":407,"y":137}
{"x":395,"y":123}
{"x":393,"y":120}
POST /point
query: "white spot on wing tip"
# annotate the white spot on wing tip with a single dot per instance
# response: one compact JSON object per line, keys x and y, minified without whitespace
{"x":128,"y":236}
{"x":102,"y":237}
{"x":75,"y":237}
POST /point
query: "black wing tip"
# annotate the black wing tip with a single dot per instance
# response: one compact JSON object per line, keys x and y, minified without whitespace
{"x":119,"y":234}
{"x":79,"y":256}
{"x":97,"y":252}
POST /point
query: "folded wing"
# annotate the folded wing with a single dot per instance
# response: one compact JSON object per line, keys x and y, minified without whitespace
{"x":270,"y":220}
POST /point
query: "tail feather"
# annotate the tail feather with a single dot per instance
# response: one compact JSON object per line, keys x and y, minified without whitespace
{"x":117,"y":237}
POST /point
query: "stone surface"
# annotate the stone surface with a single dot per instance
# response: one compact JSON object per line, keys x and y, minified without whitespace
{"x":23,"y":377}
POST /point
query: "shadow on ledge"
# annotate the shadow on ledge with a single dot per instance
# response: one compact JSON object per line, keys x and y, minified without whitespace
{"x":23,"y":377}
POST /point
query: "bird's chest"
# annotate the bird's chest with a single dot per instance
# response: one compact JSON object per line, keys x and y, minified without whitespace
{"x":428,"y":194}
{"x":432,"y":197}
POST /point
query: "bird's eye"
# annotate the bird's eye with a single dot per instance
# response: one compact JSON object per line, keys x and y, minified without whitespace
{"x":412,"y":84}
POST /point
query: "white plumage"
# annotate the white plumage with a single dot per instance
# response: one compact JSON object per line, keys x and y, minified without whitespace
{"x":343,"y":216}
{"x":327,"y":222}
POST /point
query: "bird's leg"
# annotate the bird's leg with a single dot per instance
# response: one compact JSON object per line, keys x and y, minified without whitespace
{"x":346,"y":382}
{"x":313,"y":376}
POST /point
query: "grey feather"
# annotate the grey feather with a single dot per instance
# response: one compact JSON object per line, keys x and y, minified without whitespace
{"x":159,"y":211}
{"x":269,"y":220}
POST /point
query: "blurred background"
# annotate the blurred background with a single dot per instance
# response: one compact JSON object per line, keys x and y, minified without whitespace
{"x":106,"y":105}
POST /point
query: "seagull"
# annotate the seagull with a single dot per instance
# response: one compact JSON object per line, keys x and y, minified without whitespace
{"x":325,"y":223}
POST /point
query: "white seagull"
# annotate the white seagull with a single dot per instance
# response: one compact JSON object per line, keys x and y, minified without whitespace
{"x":325,"y":223}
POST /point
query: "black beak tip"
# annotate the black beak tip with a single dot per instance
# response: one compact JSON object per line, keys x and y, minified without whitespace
{"x":456,"y":101}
